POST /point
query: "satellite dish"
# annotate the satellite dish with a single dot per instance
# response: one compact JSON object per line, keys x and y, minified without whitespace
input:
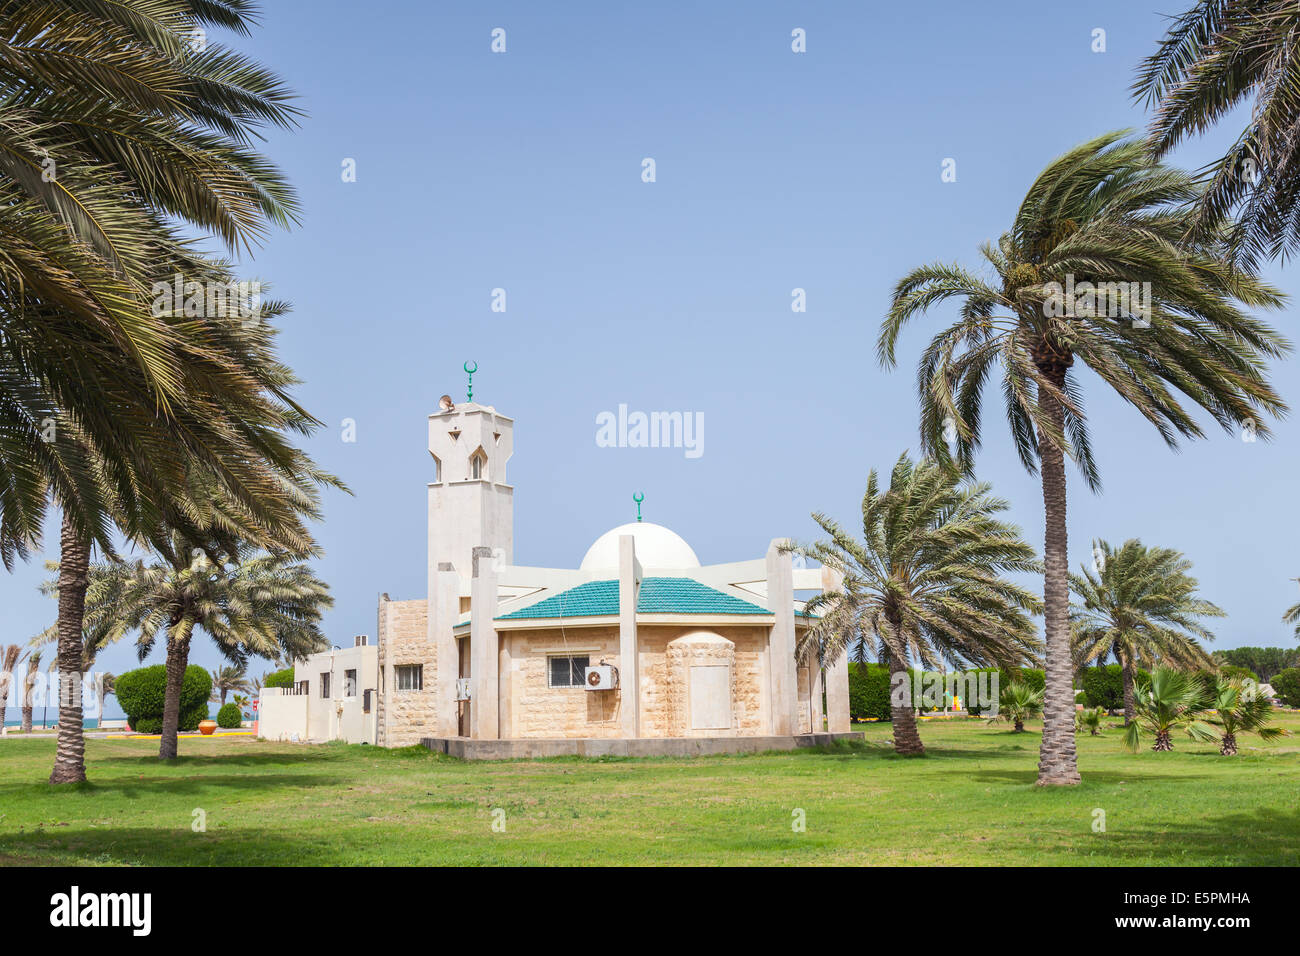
{"x":446,"y":404}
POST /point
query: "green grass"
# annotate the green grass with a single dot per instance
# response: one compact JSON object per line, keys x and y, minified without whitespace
{"x":970,"y":801}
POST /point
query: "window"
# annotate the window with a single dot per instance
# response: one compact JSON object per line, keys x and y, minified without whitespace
{"x":568,"y":671}
{"x":476,"y":467}
{"x":325,"y":685}
{"x":409,"y":676}
{"x":304,"y":686}
{"x":349,"y":683}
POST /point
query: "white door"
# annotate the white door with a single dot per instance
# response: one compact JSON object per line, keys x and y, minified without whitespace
{"x":711,"y":697}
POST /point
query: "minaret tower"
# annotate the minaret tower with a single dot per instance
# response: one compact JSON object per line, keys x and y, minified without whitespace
{"x":470,"y":504}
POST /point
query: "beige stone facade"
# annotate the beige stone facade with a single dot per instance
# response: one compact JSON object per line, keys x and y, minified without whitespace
{"x":405,"y":716}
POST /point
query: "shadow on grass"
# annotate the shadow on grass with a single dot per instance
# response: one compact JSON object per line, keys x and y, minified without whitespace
{"x":144,"y":786}
{"x":165,"y":846}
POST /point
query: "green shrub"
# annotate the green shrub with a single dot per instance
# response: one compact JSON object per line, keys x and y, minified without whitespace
{"x":229,"y":716}
{"x":1031,"y":677}
{"x":189,"y":720}
{"x":140,"y":694}
{"x":282,"y":678}
{"x":1286,"y":684}
{"x":1231,"y":671}
{"x":868,"y":692}
{"x":1104,"y":685}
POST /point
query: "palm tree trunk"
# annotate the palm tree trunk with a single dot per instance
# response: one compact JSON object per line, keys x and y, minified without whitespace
{"x":74,"y":569}
{"x":1019,"y":727}
{"x":223,"y":697}
{"x":1056,"y":760}
{"x":27,"y":719}
{"x":1229,"y":748}
{"x":907,"y":739}
{"x":178,"y":657}
{"x":1163,"y":741}
{"x":1130,"y":695}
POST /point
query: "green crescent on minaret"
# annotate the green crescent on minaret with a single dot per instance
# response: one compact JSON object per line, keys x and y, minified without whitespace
{"x":470,"y":396}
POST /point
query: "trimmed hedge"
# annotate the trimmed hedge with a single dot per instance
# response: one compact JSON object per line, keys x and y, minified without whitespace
{"x":229,"y":716}
{"x":189,"y":720}
{"x":868,"y":692}
{"x":1104,"y":685}
{"x":1286,"y":684}
{"x":141,"y":692}
{"x":869,"y":688}
{"x":282,"y":678}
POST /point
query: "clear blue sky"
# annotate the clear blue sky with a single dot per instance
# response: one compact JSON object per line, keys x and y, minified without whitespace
{"x":774,"y":171}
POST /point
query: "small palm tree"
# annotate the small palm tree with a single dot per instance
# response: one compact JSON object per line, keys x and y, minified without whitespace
{"x":1090,"y":719}
{"x":249,"y":606}
{"x":29,"y":688}
{"x":105,"y":684}
{"x":925,"y":583}
{"x":1170,"y":700}
{"x":1139,"y":605}
{"x":1017,"y":703}
{"x":1240,"y":709}
{"x":8,"y":661}
{"x":226,"y":679}
{"x":1101,"y":221}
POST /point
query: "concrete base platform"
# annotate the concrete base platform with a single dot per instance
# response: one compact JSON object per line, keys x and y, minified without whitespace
{"x":525,"y":749}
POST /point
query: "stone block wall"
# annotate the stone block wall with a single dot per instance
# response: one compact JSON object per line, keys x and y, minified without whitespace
{"x":403,"y":638}
{"x":538,"y":710}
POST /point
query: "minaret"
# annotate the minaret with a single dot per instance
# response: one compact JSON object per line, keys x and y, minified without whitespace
{"x":470,"y":504}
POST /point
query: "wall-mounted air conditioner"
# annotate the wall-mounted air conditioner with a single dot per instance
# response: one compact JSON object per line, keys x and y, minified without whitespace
{"x":602,"y":677}
{"x":462,"y":688}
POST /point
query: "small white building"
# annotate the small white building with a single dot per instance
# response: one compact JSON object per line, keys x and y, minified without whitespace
{"x":333,"y":698}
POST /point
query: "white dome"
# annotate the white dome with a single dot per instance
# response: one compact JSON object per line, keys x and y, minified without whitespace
{"x":656,"y":547}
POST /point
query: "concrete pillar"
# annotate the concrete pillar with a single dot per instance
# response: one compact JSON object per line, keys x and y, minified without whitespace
{"x":444,"y":610}
{"x":837,"y":673}
{"x":815,"y":706}
{"x":629,"y":671}
{"x":784,"y":673}
{"x":483,"y":648}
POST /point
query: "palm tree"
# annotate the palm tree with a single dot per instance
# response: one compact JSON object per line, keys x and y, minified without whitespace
{"x":1017,"y":703}
{"x":1090,"y":719}
{"x":1292,"y":616}
{"x":1100,"y":217}
{"x":105,"y":684}
{"x":227,"y":679}
{"x":8,"y":661}
{"x":1141,"y":609}
{"x":925,"y":583}
{"x":1169,"y":700}
{"x":29,"y":686}
{"x":1239,"y":710}
{"x":248,"y":606}
{"x":148,"y":131}
{"x":1213,"y":60}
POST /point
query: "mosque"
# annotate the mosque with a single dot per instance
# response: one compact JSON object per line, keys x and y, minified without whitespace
{"x":639,"y":650}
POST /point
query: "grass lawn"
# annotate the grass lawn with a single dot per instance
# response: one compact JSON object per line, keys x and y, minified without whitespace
{"x":971,"y":801}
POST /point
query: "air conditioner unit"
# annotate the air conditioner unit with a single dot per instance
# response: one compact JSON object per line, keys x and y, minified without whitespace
{"x":602,"y":677}
{"x":462,"y":688}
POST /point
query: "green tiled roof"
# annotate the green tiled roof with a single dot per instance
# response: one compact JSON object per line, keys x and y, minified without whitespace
{"x":688,"y":596}
{"x":593,"y":599}
{"x":658,"y":596}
